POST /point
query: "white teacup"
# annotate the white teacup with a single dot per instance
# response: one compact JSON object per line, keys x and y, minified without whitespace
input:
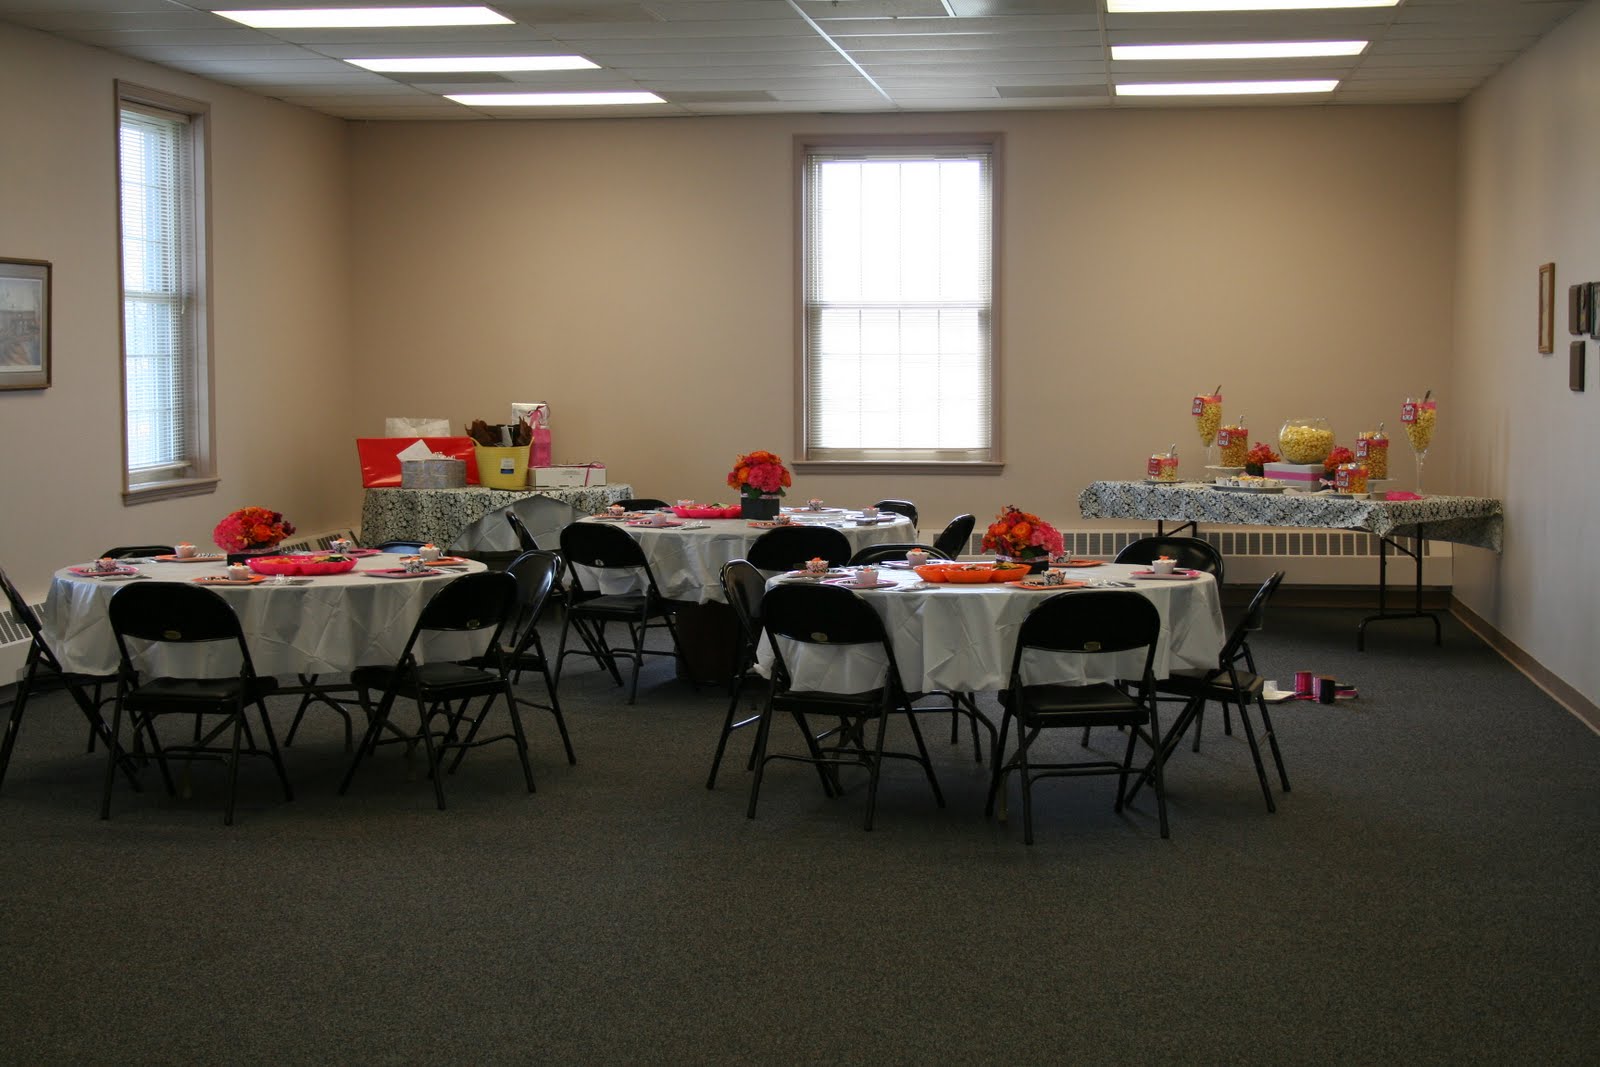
{"x":340,"y":545}
{"x":617,"y":509}
{"x":185,"y":550}
{"x":814,"y":504}
{"x":413,"y":566}
{"x":430,"y":552}
{"x":917,"y":557}
{"x":238,"y":571}
{"x":816,"y":566}
{"x":1164,"y":565}
{"x":867,"y":576}
{"x":660,"y":518}
{"x":105,"y":564}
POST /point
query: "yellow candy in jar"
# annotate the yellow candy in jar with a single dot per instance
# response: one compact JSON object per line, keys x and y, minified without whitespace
{"x":1351,"y":478}
{"x":1233,"y":441}
{"x":1207,"y":412}
{"x":1373,"y":447}
{"x":1419,"y":425}
{"x":1305,"y":440}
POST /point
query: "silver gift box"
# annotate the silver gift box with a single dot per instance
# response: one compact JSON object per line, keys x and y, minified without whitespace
{"x":433,"y":473}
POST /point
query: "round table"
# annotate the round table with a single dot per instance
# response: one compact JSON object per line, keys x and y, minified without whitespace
{"x":327,"y":624}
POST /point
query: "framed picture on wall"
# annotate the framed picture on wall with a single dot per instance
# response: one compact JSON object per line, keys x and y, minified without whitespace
{"x":24,"y":324}
{"x":1575,"y":367}
{"x":1547,"y":308}
{"x":1592,"y":302}
{"x":1578,"y":308}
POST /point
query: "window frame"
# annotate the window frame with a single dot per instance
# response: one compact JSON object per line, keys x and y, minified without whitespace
{"x":199,"y":474}
{"x":865,"y":462}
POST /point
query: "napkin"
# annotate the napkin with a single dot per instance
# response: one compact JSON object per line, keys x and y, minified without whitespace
{"x":1399,"y":494}
{"x":418,"y":449}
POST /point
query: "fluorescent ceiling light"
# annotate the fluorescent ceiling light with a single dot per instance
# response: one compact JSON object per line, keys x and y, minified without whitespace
{"x":1242,"y":50}
{"x":1226,"y":88}
{"x":1147,"y":7}
{"x":296,"y":18}
{"x":446,"y":64}
{"x":551,"y":99}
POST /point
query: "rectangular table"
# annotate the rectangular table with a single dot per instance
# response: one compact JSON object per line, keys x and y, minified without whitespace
{"x":469,"y":519}
{"x":1464,"y":520}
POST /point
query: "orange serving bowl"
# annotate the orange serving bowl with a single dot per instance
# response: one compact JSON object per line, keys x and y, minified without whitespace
{"x":964,"y":573}
{"x":1008,"y":572}
{"x":300,"y":565}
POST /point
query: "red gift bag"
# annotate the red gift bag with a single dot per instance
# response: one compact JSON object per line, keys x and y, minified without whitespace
{"x":380,"y":457}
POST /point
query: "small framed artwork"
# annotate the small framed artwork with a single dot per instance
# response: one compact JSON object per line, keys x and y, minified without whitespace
{"x":1575,"y":367}
{"x":1578,"y":308}
{"x":24,"y":324}
{"x":1593,"y":304}
{"x":1547,"y":308}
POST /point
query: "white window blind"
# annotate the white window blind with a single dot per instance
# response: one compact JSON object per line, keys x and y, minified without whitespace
{"x":898,"y":303}
{"x":159,"y":294}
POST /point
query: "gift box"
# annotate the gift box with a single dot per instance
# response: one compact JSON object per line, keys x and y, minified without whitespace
{"x":380,"y":457}
{"x":569,"y":476}
{"x":1299,"y":475}
{"x":433,"y":473}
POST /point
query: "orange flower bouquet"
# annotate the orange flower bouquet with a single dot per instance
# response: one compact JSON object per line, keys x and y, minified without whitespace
{"x":1022,"y":535}
{"x":251,"y":529}
{"x":760,"y":477}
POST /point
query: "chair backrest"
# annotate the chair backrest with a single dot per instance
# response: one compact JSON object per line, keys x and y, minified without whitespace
{"x":1091,"y":622}
{"x":174,"y":613}
{"x":1193,"y":553}
{"x":22,"y":613}
{"x":400,"y":546}
{"x":535,"y":573}
{"x":643,"y":503}
{"x":900,"y":507}
{"x":953,"y":541}
{"x":524,"y":535}
{"x":879,"y":553}
{"x":823,"y":616}
{"x":471,"y":602}
{"x":787,"y":548}
{"x":745,"y":587}
{"x":134,"y":551}
{"x":603,"y":547}
{"x":1237,"y":645}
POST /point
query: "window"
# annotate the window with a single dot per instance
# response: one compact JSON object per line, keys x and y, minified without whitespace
{"x":165,"y":336}
{"x":897,"y":361}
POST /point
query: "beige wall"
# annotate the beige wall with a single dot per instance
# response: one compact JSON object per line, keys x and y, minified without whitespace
{"x":1530,"y":166}
{"x":280,"y":309}
{"x":638,"y":276}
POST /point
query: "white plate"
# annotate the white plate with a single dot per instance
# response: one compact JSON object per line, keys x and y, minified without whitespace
{"x":851,"y":583}
{"x":1250,"y":488}
{"x":1226,"y":470}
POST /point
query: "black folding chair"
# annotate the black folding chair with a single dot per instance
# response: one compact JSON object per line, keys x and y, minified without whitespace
{"x":606,"y":548}
{"x":643,"y":503}
{"x":137,"y":551}
{"x":144,"y":616}
{"x":1091,"y":624}
{"x":1191,"y":553}
{"x":42,"y":673}
{"x":953,"y":539}
{"x":890,"y":552}
{"x":535,"y":573}
{"x":526,"y":540}
{"x":900,"y":507}
{"x":1233,"y":681}
{"x":830,"y":620}
{"x":478,"y":604}
{"x":787,"y":548}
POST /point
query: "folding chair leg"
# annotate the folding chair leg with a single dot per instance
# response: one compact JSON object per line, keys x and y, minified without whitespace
{"x":233,"y":765}
{"x":996,"y":778}
{"x":876,"y":770}
{"x":1255,"y":756}
{"x":1272,"y":743}
{"x":927,"y":764}
{"x":272,"y":750}
{"x":761,"y":756}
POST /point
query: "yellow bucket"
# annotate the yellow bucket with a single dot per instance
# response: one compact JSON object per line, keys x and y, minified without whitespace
{"x":503,"y":468}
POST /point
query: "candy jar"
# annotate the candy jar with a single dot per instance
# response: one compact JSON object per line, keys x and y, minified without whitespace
{"x":1418,"y":417}
{"x":1207,"y":411}
{"x":1305,"y":440}
{"x":1372,"y":448}
{"x":1350,"y":478}
{"x":1233,"y":441}
{"x":1163,"y":466}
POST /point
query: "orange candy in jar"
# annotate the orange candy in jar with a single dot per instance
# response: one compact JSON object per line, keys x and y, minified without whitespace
{"x":1372,"y":447}
{"x":1351,"y":478}
{"x":1233,"y":441}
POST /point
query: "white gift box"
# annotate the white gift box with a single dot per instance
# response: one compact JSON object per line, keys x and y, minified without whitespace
{"x":568,"y":476}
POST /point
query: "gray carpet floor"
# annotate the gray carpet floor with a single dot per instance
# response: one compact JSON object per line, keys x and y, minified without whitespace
{"x":1425,"y":894}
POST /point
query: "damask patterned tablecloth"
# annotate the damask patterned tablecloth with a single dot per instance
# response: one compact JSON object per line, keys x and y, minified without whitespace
{"x":1463,"y":520}
{"x":447,"y":517}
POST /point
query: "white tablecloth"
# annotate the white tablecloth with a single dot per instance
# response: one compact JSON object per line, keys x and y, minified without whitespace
{"x":330,"y":625}
{"x":961,"y":637}
{"x":687,"y":561}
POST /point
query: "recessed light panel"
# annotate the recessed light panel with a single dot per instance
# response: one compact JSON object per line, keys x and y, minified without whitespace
{"x":1240,"y":50}
{"x":300,"y":18}
{"x":552,"y":99}
{"x":460,"y":64}
{"x":1260,"y":88}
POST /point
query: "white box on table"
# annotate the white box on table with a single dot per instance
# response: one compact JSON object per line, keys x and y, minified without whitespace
{"x":1295,"y":475}
{"x":568,"y":476}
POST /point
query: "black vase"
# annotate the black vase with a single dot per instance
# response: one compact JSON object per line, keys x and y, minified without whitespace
{"x":759,"y":507}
